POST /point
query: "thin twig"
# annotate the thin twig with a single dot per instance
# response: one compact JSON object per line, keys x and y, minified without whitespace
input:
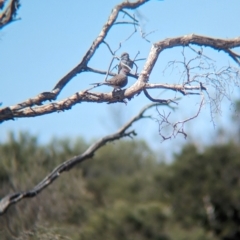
{"x":163,"y":101}
{"x":130,"y":16}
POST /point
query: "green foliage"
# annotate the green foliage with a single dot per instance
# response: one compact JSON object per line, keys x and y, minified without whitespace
{"x":204,"y":189}
{"x":122,"y":193}
{"x":127,"y":165}
{"x":42,"y":233}
{"x":126,"y":221}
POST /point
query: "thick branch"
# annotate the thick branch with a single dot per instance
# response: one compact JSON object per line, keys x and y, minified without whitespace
{"x":215,"y":43}
{"x":85,"y":96}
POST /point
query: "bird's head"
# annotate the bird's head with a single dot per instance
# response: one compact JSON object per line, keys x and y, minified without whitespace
{"x":124,"y":55}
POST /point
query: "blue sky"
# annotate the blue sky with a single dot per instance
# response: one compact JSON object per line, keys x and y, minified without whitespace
{"x":52,"y":37}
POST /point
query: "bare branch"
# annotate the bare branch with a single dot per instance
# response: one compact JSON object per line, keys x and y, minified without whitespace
{"x":217,"y":83}
{"x":144,"y":35}
{"x":83,"y":63}
{"x":125,"y":22}
{"x":163,"y":101}
{"x":175,"y":87}
{"x":200,"y":52}
{"x":34,"y":106}
{"x":11,"y":199}
{"x":86,"y":96}
{"x":130,"y":16}
{"x":139,"y":116}
{"x":215,"y":43}
{"x":120,"y":44}
{"x":109,"y":48}
{"x":8,"y":14}
{"x":88,"y":69}
{"x":178,"y":127}
{"x":234,"y":56}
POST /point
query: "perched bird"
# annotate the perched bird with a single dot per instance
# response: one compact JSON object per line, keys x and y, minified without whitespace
{"x":125,"y":62}
{"x":117,"y":82}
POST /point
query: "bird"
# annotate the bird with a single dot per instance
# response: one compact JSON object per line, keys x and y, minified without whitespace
{"x":117,"y":82}
{"x":125,"y":62}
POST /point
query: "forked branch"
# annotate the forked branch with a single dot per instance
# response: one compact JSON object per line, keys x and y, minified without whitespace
{"x":177,"y":127}
{"x":191,"y":85}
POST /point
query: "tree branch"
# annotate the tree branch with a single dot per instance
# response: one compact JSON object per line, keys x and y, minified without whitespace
{"x":177,"y":127}
{"x":216,"y":43}
{"x":82,"y":66}
{"x":86,"y":96}
{"x":163,"y":101}
{"x":34,"y":106}
{"x":8,"y":14}
{"x":11,"y":199}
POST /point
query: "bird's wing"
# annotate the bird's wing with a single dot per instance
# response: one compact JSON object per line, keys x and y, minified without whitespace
{"x":119,"y":80}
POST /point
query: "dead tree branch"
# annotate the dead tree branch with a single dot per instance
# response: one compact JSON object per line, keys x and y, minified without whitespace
{"x":15,"y":111}
{"x":164,"y":101}
{"x":9,"y":12}
{"x":86,"y":96}
{"x":196,"y":78}
{"x":178,"y":127}
{"x":35,"y":106}
{"x":124,"y":131}
{"x":217,"y":83}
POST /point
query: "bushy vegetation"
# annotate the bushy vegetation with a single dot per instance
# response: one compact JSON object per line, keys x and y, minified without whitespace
{"x":124,"y":192}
